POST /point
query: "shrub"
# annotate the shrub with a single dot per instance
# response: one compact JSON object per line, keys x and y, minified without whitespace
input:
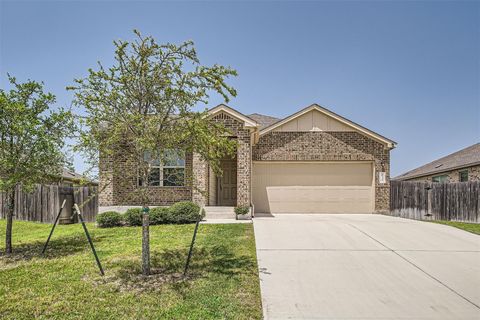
{"x":185,"y":212}
{"x":133,"y":217}
{"x":159,"y":215}
{"x":109,"y":219}
{"x":242,"y":210}
{"x":180,"y":212}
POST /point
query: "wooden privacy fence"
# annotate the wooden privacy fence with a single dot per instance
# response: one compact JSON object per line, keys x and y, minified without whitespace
{"x":436,"y":201}
{"x":43,"y":203}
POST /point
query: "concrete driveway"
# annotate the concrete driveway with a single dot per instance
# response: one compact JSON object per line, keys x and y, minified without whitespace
{"x":366,"y":267}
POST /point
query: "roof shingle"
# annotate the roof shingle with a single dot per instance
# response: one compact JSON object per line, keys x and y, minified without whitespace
{"x":263,"y":120}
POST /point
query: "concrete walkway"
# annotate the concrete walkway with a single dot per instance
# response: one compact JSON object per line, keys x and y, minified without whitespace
{"x":366,"y":267}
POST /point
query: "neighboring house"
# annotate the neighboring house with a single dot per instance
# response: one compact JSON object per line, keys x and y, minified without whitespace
{"x":312,"y":161}
{"x":71,"y":178}
{"x":460,"y":166}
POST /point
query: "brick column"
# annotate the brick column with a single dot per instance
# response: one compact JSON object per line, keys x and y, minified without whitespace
{"x":243,"y":171}
{"x":199,"y":180}
{"x":105,"y":184}
{"x":382,"y":191}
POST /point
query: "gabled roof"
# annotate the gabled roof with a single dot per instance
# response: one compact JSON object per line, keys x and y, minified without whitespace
{"x":464,"y":158}
{"x":70,"y":175}
{"x":355,"y":126}
{"x":263,"y":120}
{"x":249,"y":122}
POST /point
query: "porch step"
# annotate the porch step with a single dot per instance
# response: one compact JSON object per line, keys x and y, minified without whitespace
{"x":219,"y":209}
{"x":220,"y":216}
{"x":219,"y":213}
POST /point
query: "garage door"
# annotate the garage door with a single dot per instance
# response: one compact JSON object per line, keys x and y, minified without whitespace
{"x":313,"y":187}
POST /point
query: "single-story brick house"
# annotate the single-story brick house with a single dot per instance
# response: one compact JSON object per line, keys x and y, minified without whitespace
{"x":460,"y":166}
{"x":313,"y":161}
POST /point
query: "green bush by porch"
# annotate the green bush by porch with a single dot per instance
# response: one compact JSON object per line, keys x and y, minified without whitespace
{"x":179,"y":213}
{"x":109,"y":219}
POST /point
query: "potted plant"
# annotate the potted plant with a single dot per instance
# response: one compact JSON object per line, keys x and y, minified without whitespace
{"x":243,"y":213}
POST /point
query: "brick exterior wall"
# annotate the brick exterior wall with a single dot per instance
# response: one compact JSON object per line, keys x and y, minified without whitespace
{"x":118,"y":184}
{"x":105,"y":183}
{"x":200,"y":180}
{"x":328,"y":146}
{"x":453,"y":175}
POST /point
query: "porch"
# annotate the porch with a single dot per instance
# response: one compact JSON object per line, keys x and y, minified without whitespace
{"x":232,"y":187}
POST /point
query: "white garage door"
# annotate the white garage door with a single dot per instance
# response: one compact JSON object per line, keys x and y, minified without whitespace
{"x":313,"y":187}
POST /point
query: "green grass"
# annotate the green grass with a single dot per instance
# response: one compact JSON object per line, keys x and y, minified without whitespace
{"x":470,"y":227}
{"x":65,"y":284}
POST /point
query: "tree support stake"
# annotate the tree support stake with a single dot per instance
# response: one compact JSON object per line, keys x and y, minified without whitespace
{"x":54,"y":224}
{"x":89,"y":239}
{"x":191,"y":245}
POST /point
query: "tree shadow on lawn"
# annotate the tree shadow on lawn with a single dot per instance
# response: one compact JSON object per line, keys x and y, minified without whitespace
{"x":57,"y":248}
{"x":168,"y":266}
{"x":217,"y":259}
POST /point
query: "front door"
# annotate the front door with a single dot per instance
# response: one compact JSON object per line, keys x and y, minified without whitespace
{"x":228,"y":183}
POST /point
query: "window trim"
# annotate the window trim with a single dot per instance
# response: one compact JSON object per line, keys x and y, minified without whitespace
{"x":160,"y":168}
{"x":460,"y":175}
{"x":445,"y":176}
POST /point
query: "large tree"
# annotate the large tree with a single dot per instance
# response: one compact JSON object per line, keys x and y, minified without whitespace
{"x":32,"y":137}
{"x":142,"y":109}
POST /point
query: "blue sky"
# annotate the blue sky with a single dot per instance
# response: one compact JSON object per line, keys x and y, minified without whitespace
{"x":407,"y":70}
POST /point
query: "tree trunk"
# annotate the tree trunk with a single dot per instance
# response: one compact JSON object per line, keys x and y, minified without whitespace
{"x":10,"y":212}
{"x":145,"y":242}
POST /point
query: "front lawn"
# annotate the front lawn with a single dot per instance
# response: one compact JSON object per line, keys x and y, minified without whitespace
{"x":65,"y":284}
{"x":470,"y":227}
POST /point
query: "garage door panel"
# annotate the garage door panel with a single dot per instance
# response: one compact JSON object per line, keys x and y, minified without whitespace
{"x":315,"y":174}
{"x":307,"y":187}
{"x":308,"y":193}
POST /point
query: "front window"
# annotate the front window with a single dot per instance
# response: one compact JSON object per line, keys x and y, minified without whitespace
{"x":463,"y":176}
{"x":167,"y":170}
{"x":442,"y":178}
